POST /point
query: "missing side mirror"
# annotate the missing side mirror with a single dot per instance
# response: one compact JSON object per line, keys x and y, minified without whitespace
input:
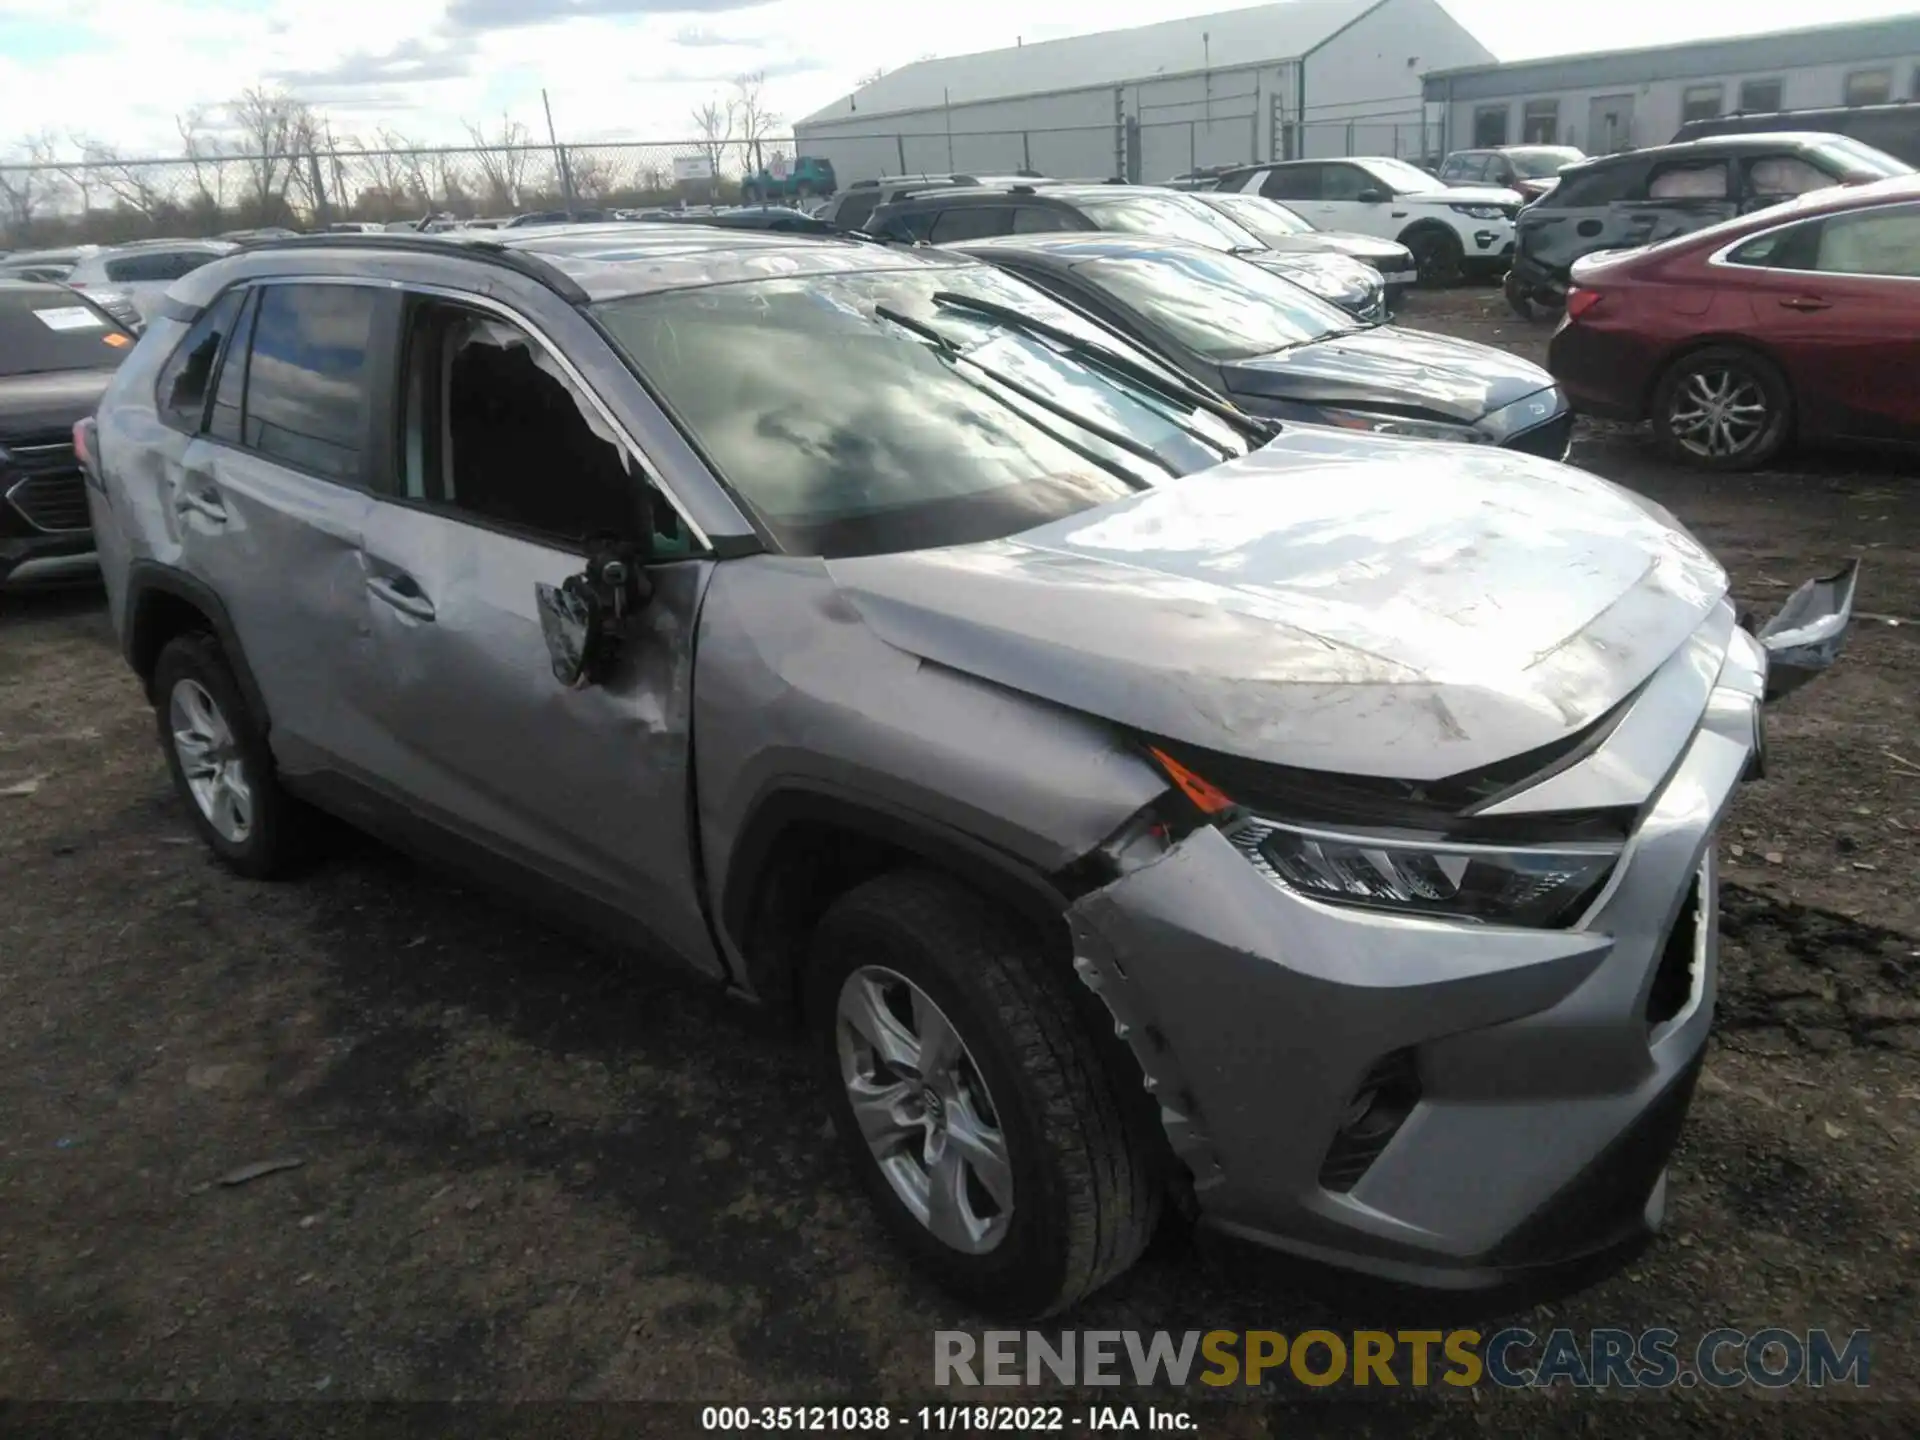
{"x":584,"y":617}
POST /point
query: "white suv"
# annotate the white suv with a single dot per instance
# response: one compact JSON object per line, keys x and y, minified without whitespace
{"x":1451,"y":229}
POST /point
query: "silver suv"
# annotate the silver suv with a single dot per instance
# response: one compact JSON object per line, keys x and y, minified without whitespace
{"x":1136,"y":800}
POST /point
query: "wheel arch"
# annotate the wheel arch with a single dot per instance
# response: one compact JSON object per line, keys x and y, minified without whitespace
{"x":805,"y":843}
{"x":1694,"y":344}
{"x":1428,"y":225}
{"x":163,"y":603}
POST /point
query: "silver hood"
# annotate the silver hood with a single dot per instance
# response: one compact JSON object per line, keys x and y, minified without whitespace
{"x":1389,"y":608}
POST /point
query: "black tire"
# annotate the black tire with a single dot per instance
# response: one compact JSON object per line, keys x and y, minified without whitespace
{"x":1518,"y":300}
{"x":1742,"y":378}
{"x":280,"y":831}
{"x":1437,"y":254}
{"x":1086,"y":1193}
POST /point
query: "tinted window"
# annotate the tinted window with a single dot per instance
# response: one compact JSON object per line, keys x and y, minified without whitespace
{"x":854,"y":210}
{"x":1292,"y":182}
{"x":223,"y":423}
{"x":909,"y":226}
{"x":307,"y":400}
{"x":1215,"y":305}
{"x":181,"y":395}
{"x":1871,"y":242}
{"x":849,"y":433}
{"x":1346,"y":182}
{"x":1600,"y":186}
{"x":971,"y":222}
{"x":45,"y":330}
{"x":1038,"y":220}
{"x":158,"y":265}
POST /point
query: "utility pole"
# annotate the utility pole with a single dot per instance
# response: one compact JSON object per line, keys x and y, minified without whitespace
{"x":559,"y":154}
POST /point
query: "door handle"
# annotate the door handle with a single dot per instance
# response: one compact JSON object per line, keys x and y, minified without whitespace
{"x":201,"y":503}
{"x":402,"y":594}
{"x":1806,"y":302}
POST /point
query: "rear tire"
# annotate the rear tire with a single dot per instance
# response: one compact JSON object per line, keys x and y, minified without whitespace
{"x":222,"y":767}
{"x":1077,"y":1197}
{"x":1722,"y":408}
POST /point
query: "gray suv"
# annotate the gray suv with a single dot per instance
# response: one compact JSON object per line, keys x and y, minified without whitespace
{"x":1141,"y":803}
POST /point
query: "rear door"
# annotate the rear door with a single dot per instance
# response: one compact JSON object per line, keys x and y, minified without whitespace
{"x":1837,"y":300}
{"x":269,"y":497}
{"x":1677,"y":198}
{"x":504,"y":470}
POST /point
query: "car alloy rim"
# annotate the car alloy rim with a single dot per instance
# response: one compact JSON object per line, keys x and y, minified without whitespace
{"x":924,"y":1110}
{"x":210,"y":759}
{"x":1718,"y":412}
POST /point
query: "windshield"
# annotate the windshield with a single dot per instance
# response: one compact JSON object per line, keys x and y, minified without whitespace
{"x":1541,"y":164}
{"x":1400,"y":177}
{"x":1859,"y":159}
{"x":1169,"y":217}
{"x":851,"y":433}
{"x":1215,"y":305}
{"x":1269,"y":220}
{"x":43,"y":330}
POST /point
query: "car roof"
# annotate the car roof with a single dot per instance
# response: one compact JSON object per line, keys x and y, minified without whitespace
{"x":593,"y":262}
{"x":1707,"y":144}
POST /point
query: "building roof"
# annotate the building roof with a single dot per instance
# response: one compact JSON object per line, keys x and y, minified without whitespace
{"x":1861,"y":40}
{"x":1262,"y":35}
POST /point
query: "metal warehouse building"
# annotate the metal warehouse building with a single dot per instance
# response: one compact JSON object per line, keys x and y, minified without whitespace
{"x":1304,"y":77}
{"x":1623,"y":99}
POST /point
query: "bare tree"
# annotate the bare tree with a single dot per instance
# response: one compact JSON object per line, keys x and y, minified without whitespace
{"x":276,"y":134}
{"x":503,"y":161}
{"x":208,"y":162}
{"x":593,"y":178}
{"x":136,"y":185}
{"x":755,"y":121}
{"x":713,"y":123}
{"x":25,"y":194}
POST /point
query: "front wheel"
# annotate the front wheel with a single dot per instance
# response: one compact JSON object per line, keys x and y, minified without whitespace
{"x":970,"y":1097}
{"x":1722,"y":408}
{"x":1437,"y":255}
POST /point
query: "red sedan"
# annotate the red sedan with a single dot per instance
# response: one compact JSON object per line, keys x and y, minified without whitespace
{"x":1801,"y":322}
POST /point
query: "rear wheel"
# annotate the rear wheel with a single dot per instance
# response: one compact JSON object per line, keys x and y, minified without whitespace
{"x":1437,"y":255}
{"x":1722,"y":408}
{"x":970,"y":1098}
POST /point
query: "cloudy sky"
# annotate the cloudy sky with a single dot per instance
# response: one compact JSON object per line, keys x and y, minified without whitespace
{"x":121,"y":70}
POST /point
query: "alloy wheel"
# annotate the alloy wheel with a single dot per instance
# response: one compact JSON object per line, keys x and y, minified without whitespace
{"x":210,"y":760}
{"x":1718,"y":412}
{"x":924,"y":1110}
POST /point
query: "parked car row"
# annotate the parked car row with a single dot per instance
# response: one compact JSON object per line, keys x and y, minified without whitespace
{"x":1139,"y":802}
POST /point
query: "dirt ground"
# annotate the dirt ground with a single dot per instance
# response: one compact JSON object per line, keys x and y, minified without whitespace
{"x":528,"y":1172}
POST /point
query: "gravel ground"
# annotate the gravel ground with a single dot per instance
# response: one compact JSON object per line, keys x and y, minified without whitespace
{"x":532,"y":1172}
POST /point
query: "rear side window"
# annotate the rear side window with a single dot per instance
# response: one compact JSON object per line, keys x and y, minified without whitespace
{"x":181,"y":395}
{"x":1037,"y":220}
{"x":1871,"y":242}
{"x":1293,"y":182}
{"x":229,"y":391}
{"x":854,"y":210}
{"x":971,"y":222}
{"x":1602,"y":186}
{"x":1783,"y":175}
{"x":158,"y":265}
{"x":1793,"y":248}
{"x":1689,"y":180}
{"x":307,"y":386}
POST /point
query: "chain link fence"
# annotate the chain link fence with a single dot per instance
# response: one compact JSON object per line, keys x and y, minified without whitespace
{"x":104,"y":201}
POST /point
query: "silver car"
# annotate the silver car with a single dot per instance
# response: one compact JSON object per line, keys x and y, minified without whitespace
{"x":1135,"y":800}
{"x":129,"y":280}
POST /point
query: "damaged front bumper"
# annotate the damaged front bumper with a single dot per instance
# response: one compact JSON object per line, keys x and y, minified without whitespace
{"x":1440,"y":1103}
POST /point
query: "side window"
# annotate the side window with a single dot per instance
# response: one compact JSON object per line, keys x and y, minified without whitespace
{"x":1778,"y":176}
{"x":1462,"y":167}
{"x":1345,"y":182}
{"x":1871,"y":242}
{"x":230,"y":389}
{"x":181,"y":393}
{"x":495,"y":431}
{"x":1037,"y":220}
{"x":909,"y":226}
{"x":854,"y":210}
{"x":971,"y":222}
{"x":1596,"y":187}
{"x":1293,"y":182}
{"x":307,"y":397}
{"x":1793,"y":248}
{"x":1689,"y":180}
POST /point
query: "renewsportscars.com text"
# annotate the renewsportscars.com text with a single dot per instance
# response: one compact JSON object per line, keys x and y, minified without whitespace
{"x":1512,"y":1358}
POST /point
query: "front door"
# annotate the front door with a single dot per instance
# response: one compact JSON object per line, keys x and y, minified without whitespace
{"x":504,"y":469}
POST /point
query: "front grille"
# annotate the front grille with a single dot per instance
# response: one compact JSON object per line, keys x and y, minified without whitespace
{"x":1389,"y":1092}
{"x":1550,"y":440}
{"x":44,"y":485}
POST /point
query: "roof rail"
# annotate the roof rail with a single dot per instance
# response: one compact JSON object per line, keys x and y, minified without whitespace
{"x":492,"y":252}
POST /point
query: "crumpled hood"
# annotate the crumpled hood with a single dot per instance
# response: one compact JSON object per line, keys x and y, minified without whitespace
{"x":1449,"y":379}
{"x":1352,"y":605}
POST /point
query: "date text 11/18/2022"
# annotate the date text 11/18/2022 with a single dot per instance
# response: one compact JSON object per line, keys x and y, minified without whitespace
{"x":938,"y":1419}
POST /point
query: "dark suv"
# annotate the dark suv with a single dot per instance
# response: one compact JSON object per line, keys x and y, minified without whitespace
{"x":854,"y":206}
{"x":1893,"y":128}
{"x":1620,"y":202}
{"x":982,"y":212}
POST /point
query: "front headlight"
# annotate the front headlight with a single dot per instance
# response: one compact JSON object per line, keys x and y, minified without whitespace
{"x":1524,"y":413}
{"x":1402,"y":426}
{"x":1481,"y":212}
{"x":1543,"y":886}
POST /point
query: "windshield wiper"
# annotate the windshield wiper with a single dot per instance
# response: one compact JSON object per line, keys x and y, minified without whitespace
{"x":1114,"y":363}
{"x":949,"y":346}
